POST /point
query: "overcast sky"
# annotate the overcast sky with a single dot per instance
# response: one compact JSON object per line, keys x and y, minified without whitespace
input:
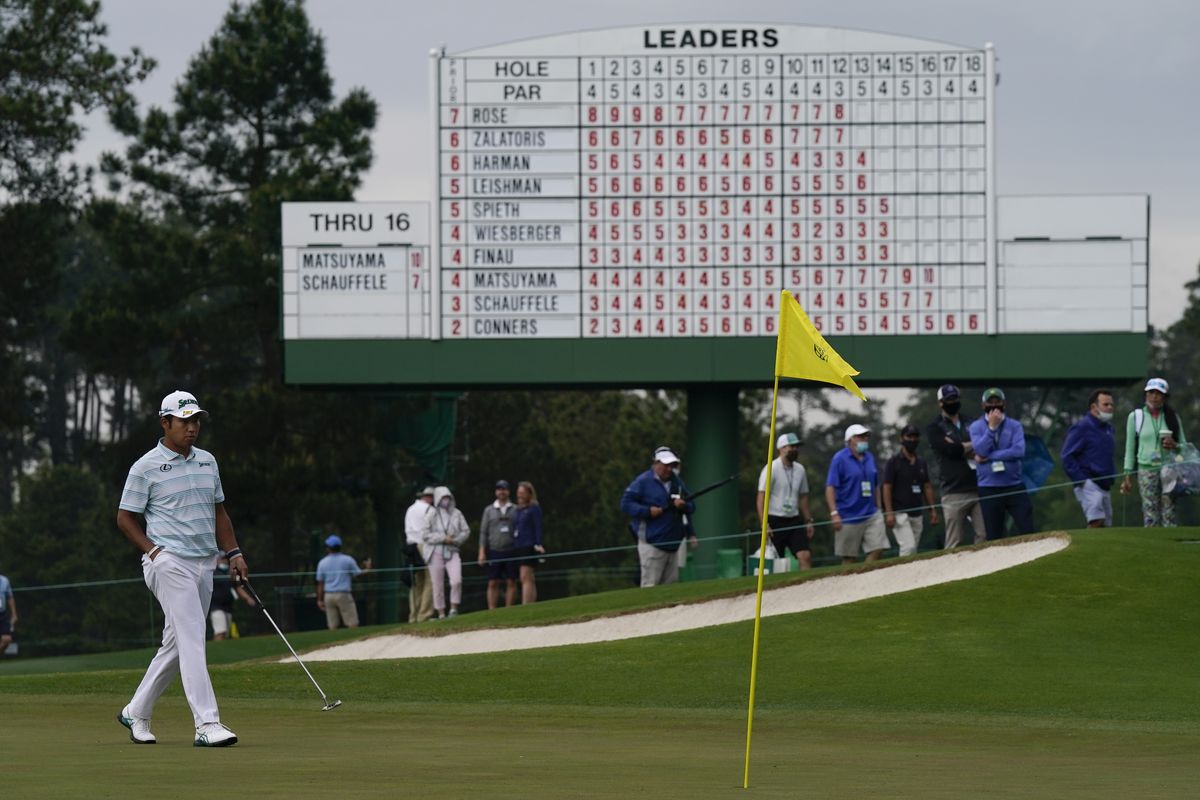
{"x":1094,"y":97}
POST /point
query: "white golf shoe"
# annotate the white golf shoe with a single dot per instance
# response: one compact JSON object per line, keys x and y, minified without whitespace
{"x":214,"y":734}
{"x":139,"y":727}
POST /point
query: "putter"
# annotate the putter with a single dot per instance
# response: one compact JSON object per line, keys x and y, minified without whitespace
{"x":329,"y":705}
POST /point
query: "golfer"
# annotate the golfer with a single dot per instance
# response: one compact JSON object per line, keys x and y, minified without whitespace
{"x":177,"y":488}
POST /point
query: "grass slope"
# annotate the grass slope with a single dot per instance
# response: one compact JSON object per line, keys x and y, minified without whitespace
{"x":1073,"y":676}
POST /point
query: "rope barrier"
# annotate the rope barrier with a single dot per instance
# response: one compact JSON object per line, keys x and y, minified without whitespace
{"x":548,"y":556}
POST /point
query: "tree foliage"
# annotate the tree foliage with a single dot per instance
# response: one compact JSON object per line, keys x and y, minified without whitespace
{"x":54,"y":67}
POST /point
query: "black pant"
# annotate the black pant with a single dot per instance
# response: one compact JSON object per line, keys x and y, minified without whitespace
{"x":995,"y":500}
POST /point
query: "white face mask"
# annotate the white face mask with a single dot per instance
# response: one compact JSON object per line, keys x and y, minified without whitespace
{"x":444,"y":502}
{"x":1104,"y":416}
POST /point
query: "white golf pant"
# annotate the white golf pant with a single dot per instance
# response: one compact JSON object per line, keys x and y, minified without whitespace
{"x":183,"y":587}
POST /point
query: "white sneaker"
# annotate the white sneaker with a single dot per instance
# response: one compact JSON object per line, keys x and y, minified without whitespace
{"x":214,"y":734}
{"x":139,"y":727}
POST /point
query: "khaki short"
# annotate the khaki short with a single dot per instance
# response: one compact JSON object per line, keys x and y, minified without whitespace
{"x":866,"y":536}
{"x":339,"y":607}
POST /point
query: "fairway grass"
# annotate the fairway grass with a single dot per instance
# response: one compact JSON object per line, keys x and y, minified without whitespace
{"x":1072,"y":676}
{"x":443,"y":751}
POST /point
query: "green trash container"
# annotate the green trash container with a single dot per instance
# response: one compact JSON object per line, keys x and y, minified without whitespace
{"x":729,"y":564}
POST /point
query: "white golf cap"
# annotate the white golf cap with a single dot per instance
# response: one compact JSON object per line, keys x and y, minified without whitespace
{"x":1157,"y":385}
{"x":787,"y":439}
{"x":856,"y":430}
{"x":666,"y":456}
{"x":180,"y":404}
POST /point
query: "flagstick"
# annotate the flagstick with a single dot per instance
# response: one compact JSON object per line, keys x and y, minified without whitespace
{"x":762,"y":570}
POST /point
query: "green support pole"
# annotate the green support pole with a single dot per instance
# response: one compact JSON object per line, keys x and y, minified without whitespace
{"x":387,"y":548}
{"x":712,"y":455}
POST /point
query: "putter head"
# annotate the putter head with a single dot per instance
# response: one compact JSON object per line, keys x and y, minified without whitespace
{"x":331,"y":705}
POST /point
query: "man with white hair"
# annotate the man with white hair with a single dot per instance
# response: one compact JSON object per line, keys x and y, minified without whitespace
{"x":852,"y":493}
{"x":655,"y":506}
{"x":176,"y":488}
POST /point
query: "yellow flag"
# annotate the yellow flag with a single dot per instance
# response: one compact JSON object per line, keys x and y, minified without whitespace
{"x":801,"y":351}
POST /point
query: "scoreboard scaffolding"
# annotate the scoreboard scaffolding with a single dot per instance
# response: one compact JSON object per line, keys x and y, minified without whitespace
{"x":622,"y":207}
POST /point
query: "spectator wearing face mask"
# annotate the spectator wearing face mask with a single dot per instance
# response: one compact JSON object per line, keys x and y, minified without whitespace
{"x":1087,"y":458}
{"x":906,"y":492}
{"x":950,"y":439}
{"x":789,"y":522}
{"x":999,"y":444}
{"x":852,"y":493}
{"x":444,"y":533}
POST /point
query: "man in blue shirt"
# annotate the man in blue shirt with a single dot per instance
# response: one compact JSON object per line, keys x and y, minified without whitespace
{"x":852,"y":493}
{"x":1087,"y":458}
{"x":655,"y":506}
{"x":999,"y":444}
{"x":334,"y":572}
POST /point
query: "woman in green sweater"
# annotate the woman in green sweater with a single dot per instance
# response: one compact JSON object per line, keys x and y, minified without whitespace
{"x":1152,"y":434}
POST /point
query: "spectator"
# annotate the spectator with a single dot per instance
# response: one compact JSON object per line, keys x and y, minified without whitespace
{"x":220,"y":609}
{"x":420,"y":593}
{"x":8,"y":614}
{"x":999,"y":444}
{"x":655,"y":506}
{"x":527,"y":544}
{"x":852,"y":494}
{"x":496,"y":547}
{"x":950,"y":438}
{"x":445,"y":532}
{"x":334,"y":572}
{"x":1152,"y":433}
{"x":789,"y":522}
{"x":1087,"y":458}
{"x":906,"y":490}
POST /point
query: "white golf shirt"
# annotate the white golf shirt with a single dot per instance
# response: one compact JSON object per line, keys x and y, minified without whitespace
{"x":178,"y":497}
{"x":786,"y":487}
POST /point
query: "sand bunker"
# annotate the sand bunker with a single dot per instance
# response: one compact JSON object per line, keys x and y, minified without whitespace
{"x":820,"y":593}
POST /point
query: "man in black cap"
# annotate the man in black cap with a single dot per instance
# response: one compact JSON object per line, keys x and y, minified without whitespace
{"x":951,"y":442}
{"x":496,"y":550}
{"x":906,"y":490}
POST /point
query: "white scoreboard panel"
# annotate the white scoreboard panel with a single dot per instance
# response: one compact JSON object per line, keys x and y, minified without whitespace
{"x":668,"y":181}
{"x":356,"y":271}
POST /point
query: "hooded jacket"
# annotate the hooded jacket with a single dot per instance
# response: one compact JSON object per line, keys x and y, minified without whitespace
{"x":442,"y":522}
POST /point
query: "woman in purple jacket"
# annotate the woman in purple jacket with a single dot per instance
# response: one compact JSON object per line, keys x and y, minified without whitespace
{"x":527,"y":538}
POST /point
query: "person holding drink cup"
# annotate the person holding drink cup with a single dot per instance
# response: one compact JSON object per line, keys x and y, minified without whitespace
{"x":1153,"y":434}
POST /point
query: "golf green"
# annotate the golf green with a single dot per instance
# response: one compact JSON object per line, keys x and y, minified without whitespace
{"x":1071,"y":676}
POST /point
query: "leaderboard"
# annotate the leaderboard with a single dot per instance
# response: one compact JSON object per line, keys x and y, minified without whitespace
{"x":668,"y":181}
{"x":356,"y":271}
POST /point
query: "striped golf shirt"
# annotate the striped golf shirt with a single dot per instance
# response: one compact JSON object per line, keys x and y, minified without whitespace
{"x":178,"y":497}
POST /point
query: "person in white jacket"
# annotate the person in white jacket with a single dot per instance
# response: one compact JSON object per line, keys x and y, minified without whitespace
{"x":445,"y":532}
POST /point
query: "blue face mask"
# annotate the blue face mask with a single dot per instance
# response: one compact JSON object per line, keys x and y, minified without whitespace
{"x":862,"y":447}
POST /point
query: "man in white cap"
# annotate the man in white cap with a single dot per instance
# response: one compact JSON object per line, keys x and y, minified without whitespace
{"x":789,"y":522}
{"x":420,"y":594}
{"x":852,"y":493}
{"x":1152,"y":434}
{"x":334,"y":572}
{"x":655,"y":506}
{"x":176,"y":487}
